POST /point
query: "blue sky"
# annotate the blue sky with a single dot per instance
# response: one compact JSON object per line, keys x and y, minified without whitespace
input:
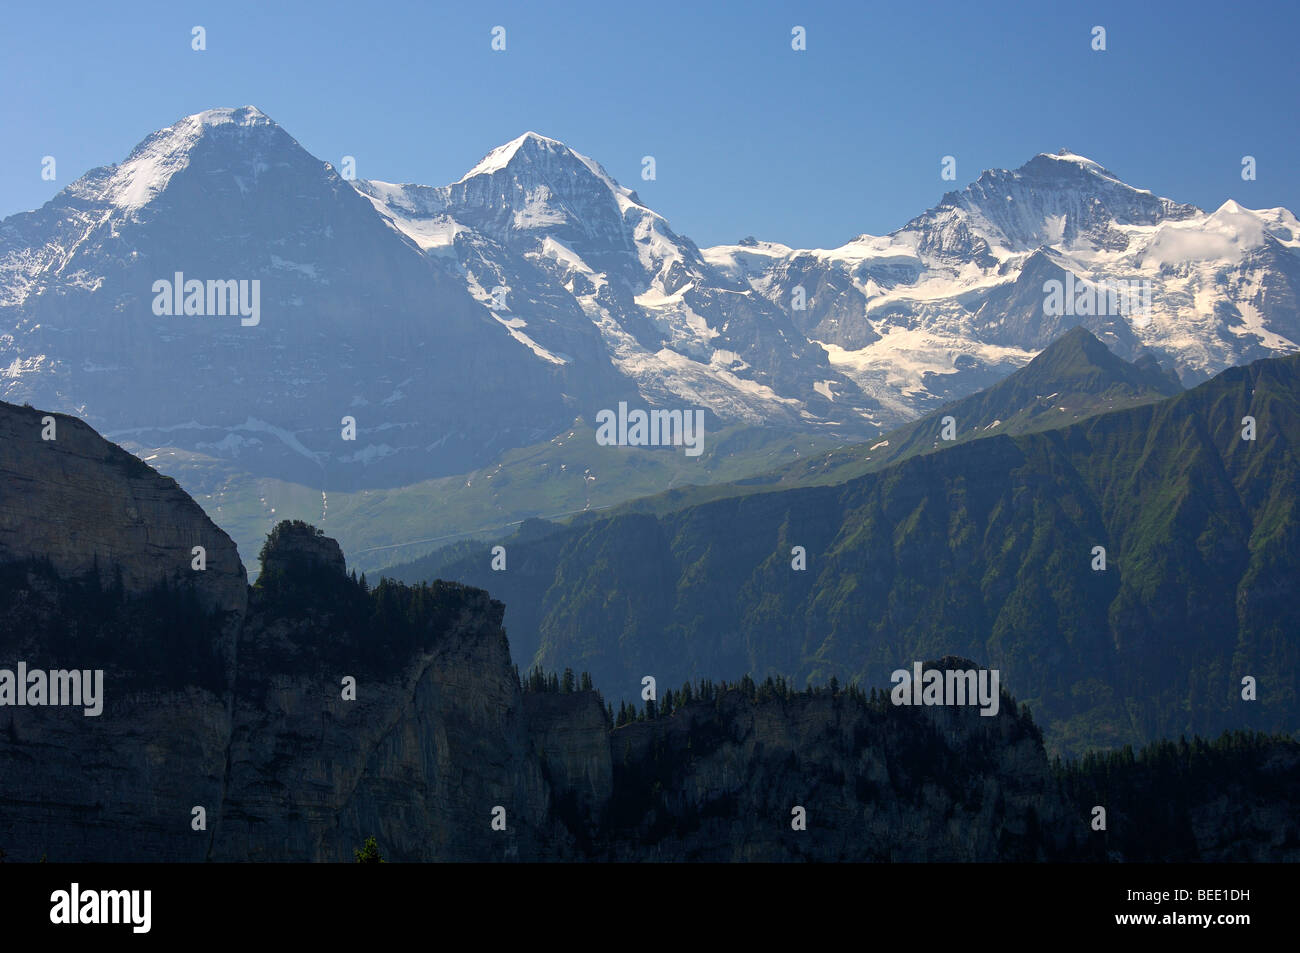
{"x":750,"y":137}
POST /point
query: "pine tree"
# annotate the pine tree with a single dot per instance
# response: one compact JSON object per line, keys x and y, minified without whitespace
{"x":368,"y":853}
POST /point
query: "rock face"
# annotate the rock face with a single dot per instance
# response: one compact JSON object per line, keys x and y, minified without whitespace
{"x":119,"y":787}
{"x":296,"y":546}
{"x":82,"y":502}
{"x":571,"y":735}
{"x":725,"y":781}
{"x":432,"y":743}
{"x":349,"y":314}
{"x":324,"y":713}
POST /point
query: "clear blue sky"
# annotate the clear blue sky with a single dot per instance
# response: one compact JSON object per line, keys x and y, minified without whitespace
{"x":809,"y":148}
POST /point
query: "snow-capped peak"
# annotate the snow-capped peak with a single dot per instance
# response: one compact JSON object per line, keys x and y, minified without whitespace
{"x":151,"y":165}
{"x":1061,"y":198}
{"x":1065,"y":155}
{"x":236,"y":115}
{"x":500,"y":157}
{"x":542,"y":160}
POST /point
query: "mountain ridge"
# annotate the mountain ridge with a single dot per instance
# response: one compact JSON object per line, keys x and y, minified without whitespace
{"x":1076,"y":370}
{"x":435,"y":746}
{"x":984,"y":550}
{"x":456,"y":324}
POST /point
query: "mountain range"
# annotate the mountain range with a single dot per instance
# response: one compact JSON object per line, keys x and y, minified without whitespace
{"x":1126,"y":569}
{"x":458,"y":324}
{"x":304,"y":716}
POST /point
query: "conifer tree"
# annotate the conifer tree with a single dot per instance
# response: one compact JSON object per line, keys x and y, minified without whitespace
{"x":368,"y":853}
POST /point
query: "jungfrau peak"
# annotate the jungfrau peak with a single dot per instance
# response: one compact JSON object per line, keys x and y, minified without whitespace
{"x":455,"y":322}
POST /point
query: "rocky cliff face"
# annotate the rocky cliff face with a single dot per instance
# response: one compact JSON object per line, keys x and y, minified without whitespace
{"x":571,"y":737}
{"x":725,"y":782}
{"x":433,"y":742}
{"x":296,"y":546}
{"x":323,"y":713}
{"x":82,"y":502}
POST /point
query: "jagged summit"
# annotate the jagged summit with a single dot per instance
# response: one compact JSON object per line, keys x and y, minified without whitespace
{"x":530,"y":144}
{"x":1078,"y":363}
{"x":532,"y":160}
{"x":245,"y":132}
{"x":571,"y":293}
{"x":1074,"y":158}
{"x":1064,"y":200}
{"x":238,"y":115}
{"x":185,"y":132}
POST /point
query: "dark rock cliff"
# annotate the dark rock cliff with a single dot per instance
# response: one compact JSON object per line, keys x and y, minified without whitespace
{"x":310,"y":712}
{"x":81,"y":502}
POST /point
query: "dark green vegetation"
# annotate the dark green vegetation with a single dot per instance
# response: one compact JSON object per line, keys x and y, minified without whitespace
{"x":1165,"y":798}
{"x":443,"y":727}
{"x":858,"y":763}
{"x":90,"y":623}
{"x":303,"y":593}
{"x":984,"y":550}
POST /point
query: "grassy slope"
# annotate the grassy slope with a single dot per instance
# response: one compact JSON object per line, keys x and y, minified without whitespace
{"x":565,"y":475}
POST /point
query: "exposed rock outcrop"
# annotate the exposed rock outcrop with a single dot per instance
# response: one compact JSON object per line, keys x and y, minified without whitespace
{"x":86,"y":504}
{"x":322,"y":713}
{"x":295,"y":547}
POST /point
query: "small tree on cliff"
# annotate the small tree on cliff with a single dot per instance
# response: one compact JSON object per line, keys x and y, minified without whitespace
{"x":368,"y":853}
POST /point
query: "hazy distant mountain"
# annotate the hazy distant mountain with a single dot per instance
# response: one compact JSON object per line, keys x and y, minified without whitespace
{"x":352,"y":318}
{"x":589,"y":273}
{"x":985,"y":550}
{"x":458,"y":322}
{"x":1074,"y":377}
